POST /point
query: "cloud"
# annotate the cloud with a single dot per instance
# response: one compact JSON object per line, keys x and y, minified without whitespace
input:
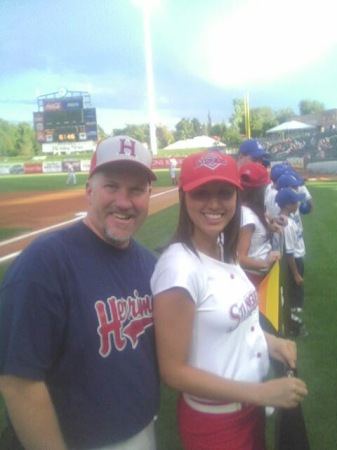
{"x":264,"y":40}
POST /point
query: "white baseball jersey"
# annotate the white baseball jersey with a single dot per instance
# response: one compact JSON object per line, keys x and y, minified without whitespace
{"x":173,"y":166}
{"x":293,"y":238}
{"x":227,"y":338}
{"x":272,"y":208}
{"x":260,"y":245}
{"x":297,"y":215}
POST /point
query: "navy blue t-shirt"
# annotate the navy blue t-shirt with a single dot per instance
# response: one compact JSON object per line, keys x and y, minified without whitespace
{"x":77,"y":313}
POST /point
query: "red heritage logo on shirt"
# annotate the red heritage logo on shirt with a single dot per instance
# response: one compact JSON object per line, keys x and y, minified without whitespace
{"x":125,"y":319}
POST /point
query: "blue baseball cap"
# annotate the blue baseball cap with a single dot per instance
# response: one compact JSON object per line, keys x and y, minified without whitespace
{"x":276,"y":171}
{"x":288,"y":196}
{"x":287,"y":180}
{"x":253,"y":148}
{"x":305,"y":208}
{"x":297,"y":175}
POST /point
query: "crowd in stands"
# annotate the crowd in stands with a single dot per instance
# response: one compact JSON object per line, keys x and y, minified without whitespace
{"x":313,"y":146}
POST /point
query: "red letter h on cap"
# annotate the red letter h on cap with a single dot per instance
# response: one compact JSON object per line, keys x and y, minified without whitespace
{"x":130,"y":146}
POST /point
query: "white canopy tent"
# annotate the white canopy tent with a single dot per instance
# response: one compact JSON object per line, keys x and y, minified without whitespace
{"x":292,"y":125}
{"x":197,"y":142}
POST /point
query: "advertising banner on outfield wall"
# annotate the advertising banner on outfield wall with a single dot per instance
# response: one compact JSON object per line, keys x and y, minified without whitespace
{"x":52,"y":167}
{"x":79,"y":165}
{"x":31,"y":168}
{"x":164,"y":163}
{"x":68,"y":148}
{"x":85,"y":165}
{"x":12,"y":169}
{"x":4,"y":169}
{"x":75,"y":163}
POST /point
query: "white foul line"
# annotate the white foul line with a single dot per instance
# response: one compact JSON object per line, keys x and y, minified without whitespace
{"x":43,"y":230}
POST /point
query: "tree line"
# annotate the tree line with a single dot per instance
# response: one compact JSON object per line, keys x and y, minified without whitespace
{"x":19,"y":139}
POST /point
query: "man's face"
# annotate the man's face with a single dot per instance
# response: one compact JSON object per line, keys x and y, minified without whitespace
{"x":118,"y":198}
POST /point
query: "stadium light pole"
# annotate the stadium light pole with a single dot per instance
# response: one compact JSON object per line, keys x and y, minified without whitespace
{"x":147,"y":6}
{"x":247,"y":115}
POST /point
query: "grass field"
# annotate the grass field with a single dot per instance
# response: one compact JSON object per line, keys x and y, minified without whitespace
{"x":317,"y":353}
{"x":57,"y":182}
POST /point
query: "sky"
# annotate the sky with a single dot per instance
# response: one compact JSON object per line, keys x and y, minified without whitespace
{"x":204,"y":55}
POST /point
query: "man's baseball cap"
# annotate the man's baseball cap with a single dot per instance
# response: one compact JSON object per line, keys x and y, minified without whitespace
{"x":252,"y":148}
{"x":288,"y":196}
{"x":254,"y":175}
{"x":201,"y":168}
{"x":117,"y":149}
{"x":287,"y":180}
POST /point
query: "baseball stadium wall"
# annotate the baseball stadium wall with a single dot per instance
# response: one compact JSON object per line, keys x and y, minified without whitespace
{"x":79,"y":165}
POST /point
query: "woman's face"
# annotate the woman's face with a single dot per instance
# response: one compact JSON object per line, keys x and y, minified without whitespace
{"x":211,"y":207}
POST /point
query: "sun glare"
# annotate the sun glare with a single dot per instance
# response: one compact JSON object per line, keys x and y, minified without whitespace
{"x":264,"y":40}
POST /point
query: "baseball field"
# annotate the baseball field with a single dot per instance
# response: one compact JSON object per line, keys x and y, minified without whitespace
{"x":27,"y":212}
{"x":30,"y":204}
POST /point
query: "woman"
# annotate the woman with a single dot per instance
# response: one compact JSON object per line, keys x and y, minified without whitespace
{"x":210,"y":345}
{"x":255,"y":252}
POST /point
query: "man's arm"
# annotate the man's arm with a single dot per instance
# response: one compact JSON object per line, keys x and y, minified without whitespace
{"x":32,"y":413}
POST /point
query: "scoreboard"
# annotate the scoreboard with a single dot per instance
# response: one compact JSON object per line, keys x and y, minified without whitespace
{"x":65,"y":120}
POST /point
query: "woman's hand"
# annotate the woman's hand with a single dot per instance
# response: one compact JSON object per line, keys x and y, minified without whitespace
{"x":285,"y":392}
{"x":273,"y":256}
{"x":283,"y":350}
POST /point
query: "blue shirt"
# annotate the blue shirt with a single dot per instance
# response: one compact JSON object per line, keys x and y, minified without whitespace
{"x":77,"y":313}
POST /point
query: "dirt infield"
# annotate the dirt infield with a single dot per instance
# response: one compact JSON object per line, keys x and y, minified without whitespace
{"x":37,"y":210}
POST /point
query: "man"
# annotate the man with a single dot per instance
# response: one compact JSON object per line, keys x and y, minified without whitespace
{"x":77,"y":356}
{"x":173,"y":170}
{"x":71,"y":178}
{"x":251,"y":151}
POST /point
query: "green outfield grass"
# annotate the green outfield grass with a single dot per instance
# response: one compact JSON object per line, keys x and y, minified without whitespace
{"x":316,"y":353}
{"x":52,"y":182}
{"x":317,"y":362}
{"x":56,"y":182}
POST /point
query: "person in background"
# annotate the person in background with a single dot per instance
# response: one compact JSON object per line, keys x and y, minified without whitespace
{"x":291,"y":178}
{"x":210,"y":345}
{"x":77,"y":353}
{"x":251,"y":150}
{"x":306,"y":205}
{"x":173,"y":170}
{"x":255,"y":252}
{"x":71,"y":178}
{"x":293,"y":287}
{"x":272,"y":209}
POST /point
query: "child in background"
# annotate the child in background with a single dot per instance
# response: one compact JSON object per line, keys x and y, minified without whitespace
{"x":292,"y":272}
{"x":272,"y":209}
{"x":256,"y":255}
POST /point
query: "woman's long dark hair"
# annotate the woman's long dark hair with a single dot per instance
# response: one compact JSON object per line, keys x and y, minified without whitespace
{"x":185,"y":229}
{"x":254,"y":199}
